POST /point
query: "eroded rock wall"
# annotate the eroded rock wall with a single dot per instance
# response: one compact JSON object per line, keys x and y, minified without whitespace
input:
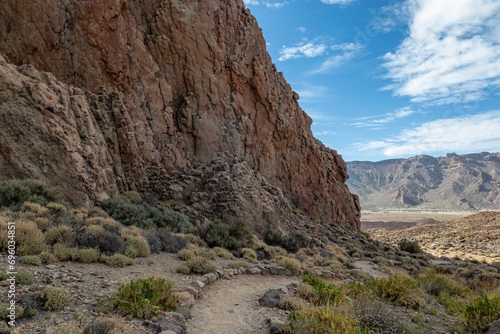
{"x":160,"y":82}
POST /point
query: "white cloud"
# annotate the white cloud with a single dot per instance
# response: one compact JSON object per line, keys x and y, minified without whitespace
{"x":325,"y":133}
{"x":250,"y":2}
{"x":334,"y":62}
{"x":452,"y":52}
{"x":309,"y":91}
{"x":275,"y":4}
{"x":301,"y":29}
{"x":337,"y":2}
{"x":375,"y":121}
{"x":303,"y":50}
{"x":473,"y":133}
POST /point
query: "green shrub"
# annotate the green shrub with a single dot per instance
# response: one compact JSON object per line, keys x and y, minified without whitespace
{"x":175,"y":221}
{"x":29,"y":238}
{"x":325,"y":320}
{"x":13,"y":193}
{"x":291,"y":304}
{"x":130,"y":209}
{"x":237,"y":264}
{"x":201,"y":265}
{"x":325,"y":293}
{"x":117,"y":260}
{"x":63,"y":253}
{"x":307,"y":292}
{"x":55,"y":299}
{"x":3,"y":275}
{"x":60,"y":234}
{"x":292,"y":243}
{"x":183,"y":269}
{"x":192,"y":251}
{"x":136,"y":246}
{"x":107,"y":242}
{"x":224,"y":253}
{"x":375,"y":316}
{"x":452,"y":304}
{"x":47,"y":257}
{"x":480,"y":312}
{"x":409,"y":246}
{"x":397,"y":289}
{"x":435,"y":284}
{"x":146,"y":298}
{"x":249,"y":254}
{"x":294,"y":265}
{"x":88,"y":255}
{"x":356,"y":289}
{"x":32,"y":260}
{"x":4,"y":311}
{"x":24,"y":277}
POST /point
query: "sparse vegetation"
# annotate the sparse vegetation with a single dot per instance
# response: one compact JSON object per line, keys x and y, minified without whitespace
{"x":117,"y":260}
{"x":146,"y":298}
{"x":54,"y":299}
{"x":409,"y":246}
{"x":32,"y":260}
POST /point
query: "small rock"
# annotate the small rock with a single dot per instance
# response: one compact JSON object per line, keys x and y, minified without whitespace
{"x":270,"y":299}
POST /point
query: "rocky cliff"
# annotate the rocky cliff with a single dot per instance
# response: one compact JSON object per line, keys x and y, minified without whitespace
{"x":117,"y":95}
{"x":454,"y":182}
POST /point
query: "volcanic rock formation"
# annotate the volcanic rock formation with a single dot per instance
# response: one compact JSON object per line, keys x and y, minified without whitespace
{"x":109,"y":95}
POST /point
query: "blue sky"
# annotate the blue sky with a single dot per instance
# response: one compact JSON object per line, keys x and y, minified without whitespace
{"x":386,"y":79}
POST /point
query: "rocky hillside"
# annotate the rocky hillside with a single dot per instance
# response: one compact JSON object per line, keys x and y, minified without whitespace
{"x":454,"y":182}
{"x":102,"y":97}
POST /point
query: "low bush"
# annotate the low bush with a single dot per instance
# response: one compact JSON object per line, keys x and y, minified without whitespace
{"x":4,"y":311}
{"x":291,"y":304}
{"x":435,"y":284}
{"x":88,"y":255}
{"x":171,"y":243}
{"x":32,"y":260}
{"x":375,"y":317}
{"x":47,"y":257}
{"x":325,"y":293}
{"x":107,"y":326}
{"x":29,"y":238}
{"x":294,"y":265}
{"x":3,"y":275}
{"x":397,"y":289}
{"x":136,"y":246}
{"x":409,"y":246}
{"x":197,"y":264}
{"x":480,"y":312}
{"x":63,"y":253}
{"x":107,"y":242}
{"x":24,"y":277}
{"x":31,"y":304}
{"x":224,"y":253}
{"x":249,"y":254}
{"x":307,"y":292}
{"x":234,"y":235}
{"x":326,"y":320}
{"x":61,"y":234}
{"x":192,"y":251}
{"x":117,"y":260}
{"x":356,"y":289}
{"x":452,"y":304}
{"x":292,"y":243}
{"x":13,"y":193}
{"x":237,"y":265}
{"x":130,"y":209}
{"x":55,"y":299}
{"x":146,"y":298}
{"x":154,"y":242}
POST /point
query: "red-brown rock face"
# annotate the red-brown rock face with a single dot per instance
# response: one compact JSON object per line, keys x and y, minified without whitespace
{"x":177,"y":79}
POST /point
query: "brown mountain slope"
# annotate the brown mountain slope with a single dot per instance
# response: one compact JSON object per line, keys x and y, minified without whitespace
{"x":454,"y":182}
{"x":151,"y":85}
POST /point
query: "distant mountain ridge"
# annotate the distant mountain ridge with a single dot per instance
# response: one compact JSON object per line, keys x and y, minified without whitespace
{"x":454,"y":182}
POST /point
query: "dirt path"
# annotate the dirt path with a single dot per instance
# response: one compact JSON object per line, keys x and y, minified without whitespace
{"x":231,"y":306}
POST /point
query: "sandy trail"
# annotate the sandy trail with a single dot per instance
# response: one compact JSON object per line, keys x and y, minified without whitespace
{"x":231,"y":306}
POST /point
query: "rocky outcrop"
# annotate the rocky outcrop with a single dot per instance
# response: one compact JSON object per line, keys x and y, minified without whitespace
{"x":454,"y":182}
{"x":139,"y":88}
